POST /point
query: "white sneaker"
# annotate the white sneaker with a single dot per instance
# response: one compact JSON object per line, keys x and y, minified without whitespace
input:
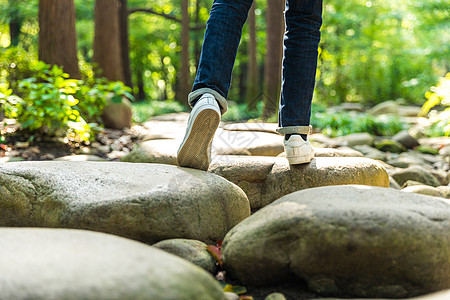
{"x":195,"y":150}
{"x":297,"y":150}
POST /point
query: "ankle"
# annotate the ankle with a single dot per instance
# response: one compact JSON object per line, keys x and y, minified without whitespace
{"x":287,"y":136}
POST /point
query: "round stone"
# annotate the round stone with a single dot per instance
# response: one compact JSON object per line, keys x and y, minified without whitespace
{"x":145,"y":202}
{"x":352,"y":241}
{"x":265,"y":179}
{"x":73,"y":264}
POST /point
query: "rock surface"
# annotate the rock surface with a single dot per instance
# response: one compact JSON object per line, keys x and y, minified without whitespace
{"x":352,"y":241}
{"x":415,"y":173}
{"x":191,"y":250}
{"x":74,"y":264}
{"x":154,"y":151}
{"x":227,"y":142}
{"x":423,"y":190}
{"x":265,"y":179}
{"x":146,"y":202}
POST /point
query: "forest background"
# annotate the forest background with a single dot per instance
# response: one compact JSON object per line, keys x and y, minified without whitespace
{"x":370,"y":52}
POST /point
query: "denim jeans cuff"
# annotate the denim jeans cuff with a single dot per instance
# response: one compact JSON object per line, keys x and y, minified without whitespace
{"x":194,"y":95}
{"x":295,"y":129}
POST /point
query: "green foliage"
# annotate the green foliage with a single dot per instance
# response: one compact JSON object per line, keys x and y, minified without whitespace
{"x":142,"y":111}
{"x":48,"y":102}
{"x":343,"y":123}
{"x":16,"y":64}
{"x":438,"y":97}
{"x":239,"y":112}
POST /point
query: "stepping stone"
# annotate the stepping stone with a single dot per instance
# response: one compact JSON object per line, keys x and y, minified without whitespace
{"x":145,"y":202}
{"x":265,"y":179}
{"x":331,"y":152}
{"x":225,"y":143}
{"x":74,"y":264}
{"x":228,"y":142}
{"x":154,"y":151}
{"x":415,"y":173}
{"x":81,"y":157}
{"x":346,"y":241}
{"x":261,"y":127}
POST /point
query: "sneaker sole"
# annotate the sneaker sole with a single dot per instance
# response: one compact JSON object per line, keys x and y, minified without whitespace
{"x":300,"y":159}
{"x":194,"y":151}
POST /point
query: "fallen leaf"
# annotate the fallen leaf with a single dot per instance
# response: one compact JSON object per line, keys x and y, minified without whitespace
{"x":216,"y":253}
{"x":237,"y":289}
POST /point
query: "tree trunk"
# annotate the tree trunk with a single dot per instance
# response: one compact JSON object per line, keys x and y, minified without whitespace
{"x":107,"y":50}
{"x":252,"y":64}
{"x":57,"y":35}
{"x":274,"y":56}
{"x":124,"y":42}
{"x":198,"y":35}
{"x":184,"y":72}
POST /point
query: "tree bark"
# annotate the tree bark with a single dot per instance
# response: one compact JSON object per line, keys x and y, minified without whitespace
{"x":184,"y":72}
{"x":252,"y":64}
{"x":57,"y":35}
{"x":124,"y":42}
{"x":274,"y":56}
{"x":107,"y":50}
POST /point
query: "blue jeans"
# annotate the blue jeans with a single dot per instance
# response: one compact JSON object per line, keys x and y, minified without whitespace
{"x":301,"y":40}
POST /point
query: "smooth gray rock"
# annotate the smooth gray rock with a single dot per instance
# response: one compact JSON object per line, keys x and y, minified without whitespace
{"x":352,"y":241}
{"x":227,"y":142}
{"x":393,"y":184}
{"x":340,"y":152}
{"x":145,"y":202}
{"x":191,"y":250}
{"x":154,"y":151}
{"x":371,"y":152}
{"x":50,"y":264}
{"x":403,"y":137}
{"x":265,"y":179}
{"x":415,"y":173}
{"x":255,"y":126}
{"x":423,"y":190}
{"x":355,"y":139}
{"x":80,"y":157}
{"x":386,"y":107}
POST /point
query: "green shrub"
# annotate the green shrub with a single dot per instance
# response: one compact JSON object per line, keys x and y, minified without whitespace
{"x":438,"y":97}
{"x":51,"y":103}
{"x":142,"y":111}
{"x":343,"y":123}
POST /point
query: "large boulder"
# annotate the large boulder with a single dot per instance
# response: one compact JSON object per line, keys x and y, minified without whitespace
{"x":265,"y":179}
{"x":145,"y":202}
{"x":352,"y":241}
{"x":72,"y":264}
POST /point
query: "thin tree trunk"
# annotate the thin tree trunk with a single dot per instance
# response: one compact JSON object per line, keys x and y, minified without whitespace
{"x":140,"y":84}
{"x":57,"y":35}
{"x":107,"y":50}
{"x":274,"y":55}
{"x":184,"y":72}
{"x":252,"y":64}
{"x":124,"y":42}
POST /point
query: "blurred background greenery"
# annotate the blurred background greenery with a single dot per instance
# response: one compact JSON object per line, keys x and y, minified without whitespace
{"x":371,"y":51}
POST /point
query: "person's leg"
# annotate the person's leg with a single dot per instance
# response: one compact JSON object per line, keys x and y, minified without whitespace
{"x":301,"y":40}
{"x":220,"y":44}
